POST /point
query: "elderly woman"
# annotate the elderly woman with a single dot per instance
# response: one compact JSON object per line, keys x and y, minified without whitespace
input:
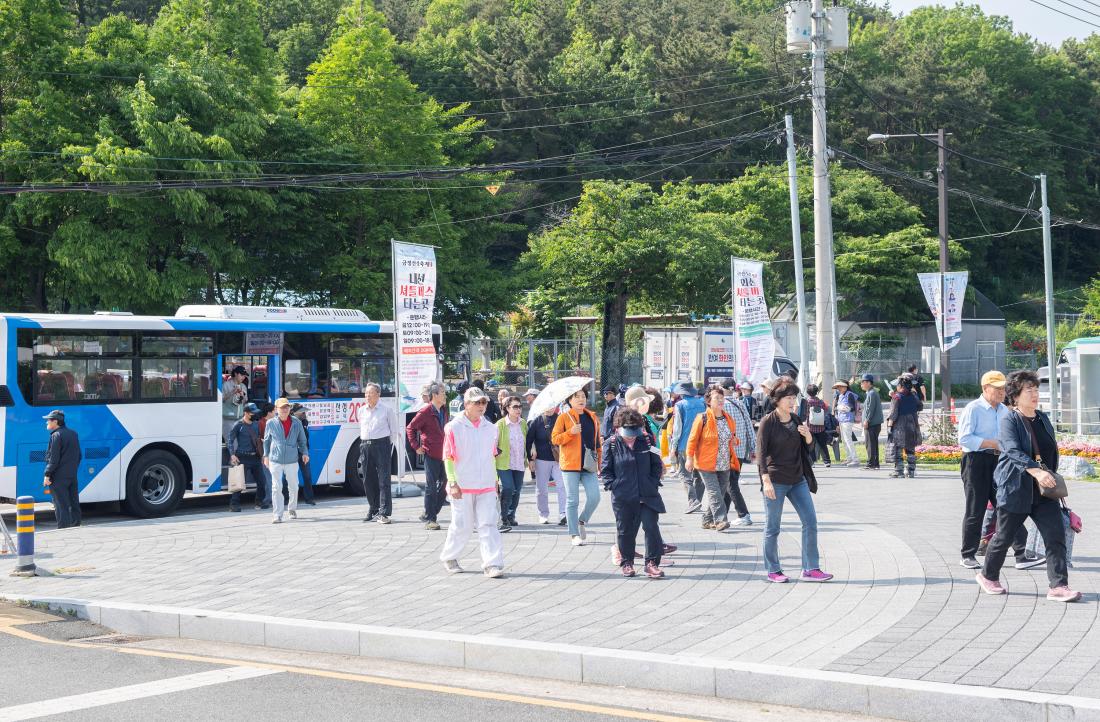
{"x":711,"y":450}
{"x":782,"y":454}
{"x":1025,"y":484}
{"x":512,"y":460}
{"x":577,"y":435}
{"x":631,"y":471}
{"x":903,"y":428}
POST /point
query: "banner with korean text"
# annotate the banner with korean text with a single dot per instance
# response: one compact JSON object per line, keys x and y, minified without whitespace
{"x":945,"y":293}
{"x":414,"y":300}
{"x":751,"y":323}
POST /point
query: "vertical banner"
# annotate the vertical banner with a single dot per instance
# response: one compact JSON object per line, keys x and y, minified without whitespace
{"x":751,"y":322}
{"x":945,"y":293}
{"x":932,"y":285}
{"x":954,"y":292}
{"x":413,"y":301}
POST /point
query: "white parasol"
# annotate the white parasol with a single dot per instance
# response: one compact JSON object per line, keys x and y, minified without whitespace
{"x":556,"y":394}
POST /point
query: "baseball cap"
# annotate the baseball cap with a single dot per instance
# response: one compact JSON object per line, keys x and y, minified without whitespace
{"x":252,"y":408}
{"x":531,"y":392}
{"x":55,"y":415}
{"x":610,"y":390}
{"x":867,"y":377}
{"x":745,"y":385}
{"x":993,"y":378}
{"x":280,"y":402}
{"x":474,"y":394}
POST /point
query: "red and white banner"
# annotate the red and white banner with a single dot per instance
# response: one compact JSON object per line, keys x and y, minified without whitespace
{"x":414,"y":279}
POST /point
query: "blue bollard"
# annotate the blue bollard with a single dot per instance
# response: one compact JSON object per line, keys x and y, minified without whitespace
{"x":24,"y":537}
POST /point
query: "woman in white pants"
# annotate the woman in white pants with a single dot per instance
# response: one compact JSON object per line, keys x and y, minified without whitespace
{"x":544,"y":465}
{"x":469,"y":453}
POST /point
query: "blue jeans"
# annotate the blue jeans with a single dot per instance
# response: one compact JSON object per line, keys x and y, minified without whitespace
{"x":511,"y":482}
{"x":573,"y":481}
{"x":803,"y":503}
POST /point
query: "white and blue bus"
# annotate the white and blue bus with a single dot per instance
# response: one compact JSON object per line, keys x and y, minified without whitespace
{"x":145,"y":394}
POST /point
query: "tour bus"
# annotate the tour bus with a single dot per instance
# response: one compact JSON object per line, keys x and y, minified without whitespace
{"x":144,"y":394}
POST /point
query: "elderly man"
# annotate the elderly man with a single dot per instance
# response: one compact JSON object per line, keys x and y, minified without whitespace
{"x":378,"y":436}
{"x":425,"y":434}
{"x":872,"y":419}
{"x":979,"y":431}
{"x":284,"y":444}
{"x":62,"y":464}
{"x":611,"y":399}
{"x":469,"y":453}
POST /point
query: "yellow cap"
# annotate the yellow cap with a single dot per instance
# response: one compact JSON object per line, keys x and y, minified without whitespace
{"x":993,"y":378}
{"x":285,"y":402}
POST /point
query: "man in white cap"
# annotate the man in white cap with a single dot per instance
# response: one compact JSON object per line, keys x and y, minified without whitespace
{"x":529,"y":397}
{"x":844,"y":409}
{"x":469,"y":453}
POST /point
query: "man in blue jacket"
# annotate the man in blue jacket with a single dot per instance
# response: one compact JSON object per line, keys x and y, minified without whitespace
{"x":611,"y":398}
{"x":284,"y":440}
{"x":62,"y":462}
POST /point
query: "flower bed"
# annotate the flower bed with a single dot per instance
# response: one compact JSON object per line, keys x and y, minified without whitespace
{"x":953,"y":454}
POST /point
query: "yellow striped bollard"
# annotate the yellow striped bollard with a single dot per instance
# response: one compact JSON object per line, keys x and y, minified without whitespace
{"x":24,"y":537}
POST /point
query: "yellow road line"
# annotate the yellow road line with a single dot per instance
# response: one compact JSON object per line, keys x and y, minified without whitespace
{"x":15,"y":631}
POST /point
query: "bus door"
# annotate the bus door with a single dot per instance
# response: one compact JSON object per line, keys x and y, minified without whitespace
{"x":262,"y":386}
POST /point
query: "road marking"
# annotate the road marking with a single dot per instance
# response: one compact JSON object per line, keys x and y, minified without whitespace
{"x":104,"y":697}
{"x":367,"y":679}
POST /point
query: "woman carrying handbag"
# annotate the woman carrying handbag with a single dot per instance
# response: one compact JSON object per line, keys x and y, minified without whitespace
{"x":1028,"y":485}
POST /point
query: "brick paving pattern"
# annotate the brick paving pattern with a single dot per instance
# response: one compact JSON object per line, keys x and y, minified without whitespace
{"x":901,"y":606}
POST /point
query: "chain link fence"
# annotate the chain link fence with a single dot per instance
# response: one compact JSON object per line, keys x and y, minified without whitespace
{"x":526,"y":362}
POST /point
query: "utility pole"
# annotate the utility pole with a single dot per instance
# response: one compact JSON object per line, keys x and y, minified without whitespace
{"x":945,"y":364}
{"x":823,"y":209}
{"x":1048,"y":283}
{"x":799,"y":272}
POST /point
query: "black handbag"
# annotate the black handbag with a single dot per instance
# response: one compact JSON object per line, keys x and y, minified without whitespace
{"x":1059,"y":490}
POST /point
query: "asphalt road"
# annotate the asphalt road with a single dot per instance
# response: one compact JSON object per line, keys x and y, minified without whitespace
{"x":66,"y":669}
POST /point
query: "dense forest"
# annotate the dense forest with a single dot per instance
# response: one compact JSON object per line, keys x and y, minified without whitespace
{"x":558,"y":152}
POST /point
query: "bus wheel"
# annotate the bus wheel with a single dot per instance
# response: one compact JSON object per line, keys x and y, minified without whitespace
{"x":154,"y":484}
{"x":353,"y":472}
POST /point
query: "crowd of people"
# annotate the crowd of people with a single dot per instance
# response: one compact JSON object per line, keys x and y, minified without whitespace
{"x":477,"y":453}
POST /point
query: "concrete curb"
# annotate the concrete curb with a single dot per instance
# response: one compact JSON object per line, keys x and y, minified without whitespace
{"x":808,"y":688}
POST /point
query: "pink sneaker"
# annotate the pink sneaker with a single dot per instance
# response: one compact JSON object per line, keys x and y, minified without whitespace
{"x":616,"y":556}
{"x":1063,"y":594}
{"x":778,"y":577}
{"x":989,"y":586}
{"x":815,"y":575}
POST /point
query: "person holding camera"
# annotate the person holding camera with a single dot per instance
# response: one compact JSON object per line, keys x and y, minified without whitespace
{"x":903,"y":427}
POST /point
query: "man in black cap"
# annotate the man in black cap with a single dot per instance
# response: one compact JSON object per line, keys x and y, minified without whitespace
{"x":62,"y":462}
{"x":872,"y":419}
{"x":611,"y":397}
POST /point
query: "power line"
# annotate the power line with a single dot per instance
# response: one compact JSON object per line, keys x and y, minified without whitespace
{"x":1091,"y":13}
{"x":1062,"y":12}
{"x":922,"y":136}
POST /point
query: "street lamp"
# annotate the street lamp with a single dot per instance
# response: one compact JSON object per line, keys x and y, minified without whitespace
{"x":940,"y":139}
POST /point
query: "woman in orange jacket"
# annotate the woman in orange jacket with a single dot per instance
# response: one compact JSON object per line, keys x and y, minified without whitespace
{"x":577,"y":435}
{"x":710,"y":450}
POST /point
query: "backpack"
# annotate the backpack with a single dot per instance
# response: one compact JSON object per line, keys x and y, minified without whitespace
{"x":816,"y":416}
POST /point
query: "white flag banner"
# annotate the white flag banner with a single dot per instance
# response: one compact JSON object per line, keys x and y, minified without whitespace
{"x":954,"y":291}
{"x":413,"y":302}
{"x":751,"y":323}
{"x":945,"y":293}
{"x":932,"y":285}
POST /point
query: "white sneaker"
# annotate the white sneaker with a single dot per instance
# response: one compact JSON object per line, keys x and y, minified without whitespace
{"x":743,"y":521}
{"x":452,"y":567}
{"x":544,"y":520}
{"x":494,"y":572}
{"x":581,"y":530}
{"x":277,"y":520}
{"x":578,"y":541}
{"x":293,"y":515}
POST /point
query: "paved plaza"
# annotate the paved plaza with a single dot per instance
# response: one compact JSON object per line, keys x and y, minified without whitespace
{"x":901,"y":606}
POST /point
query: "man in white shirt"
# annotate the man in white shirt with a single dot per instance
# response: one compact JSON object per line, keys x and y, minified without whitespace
{"x":378,"y":435}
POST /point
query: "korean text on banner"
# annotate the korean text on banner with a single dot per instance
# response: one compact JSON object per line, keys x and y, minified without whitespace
{"x":954,"y":290}
{"x":755,"y":346}
{"x":414,"y":299}
{"x":932,"y":285}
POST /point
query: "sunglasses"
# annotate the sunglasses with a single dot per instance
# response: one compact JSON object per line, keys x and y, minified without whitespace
{"x":480,"y":402}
